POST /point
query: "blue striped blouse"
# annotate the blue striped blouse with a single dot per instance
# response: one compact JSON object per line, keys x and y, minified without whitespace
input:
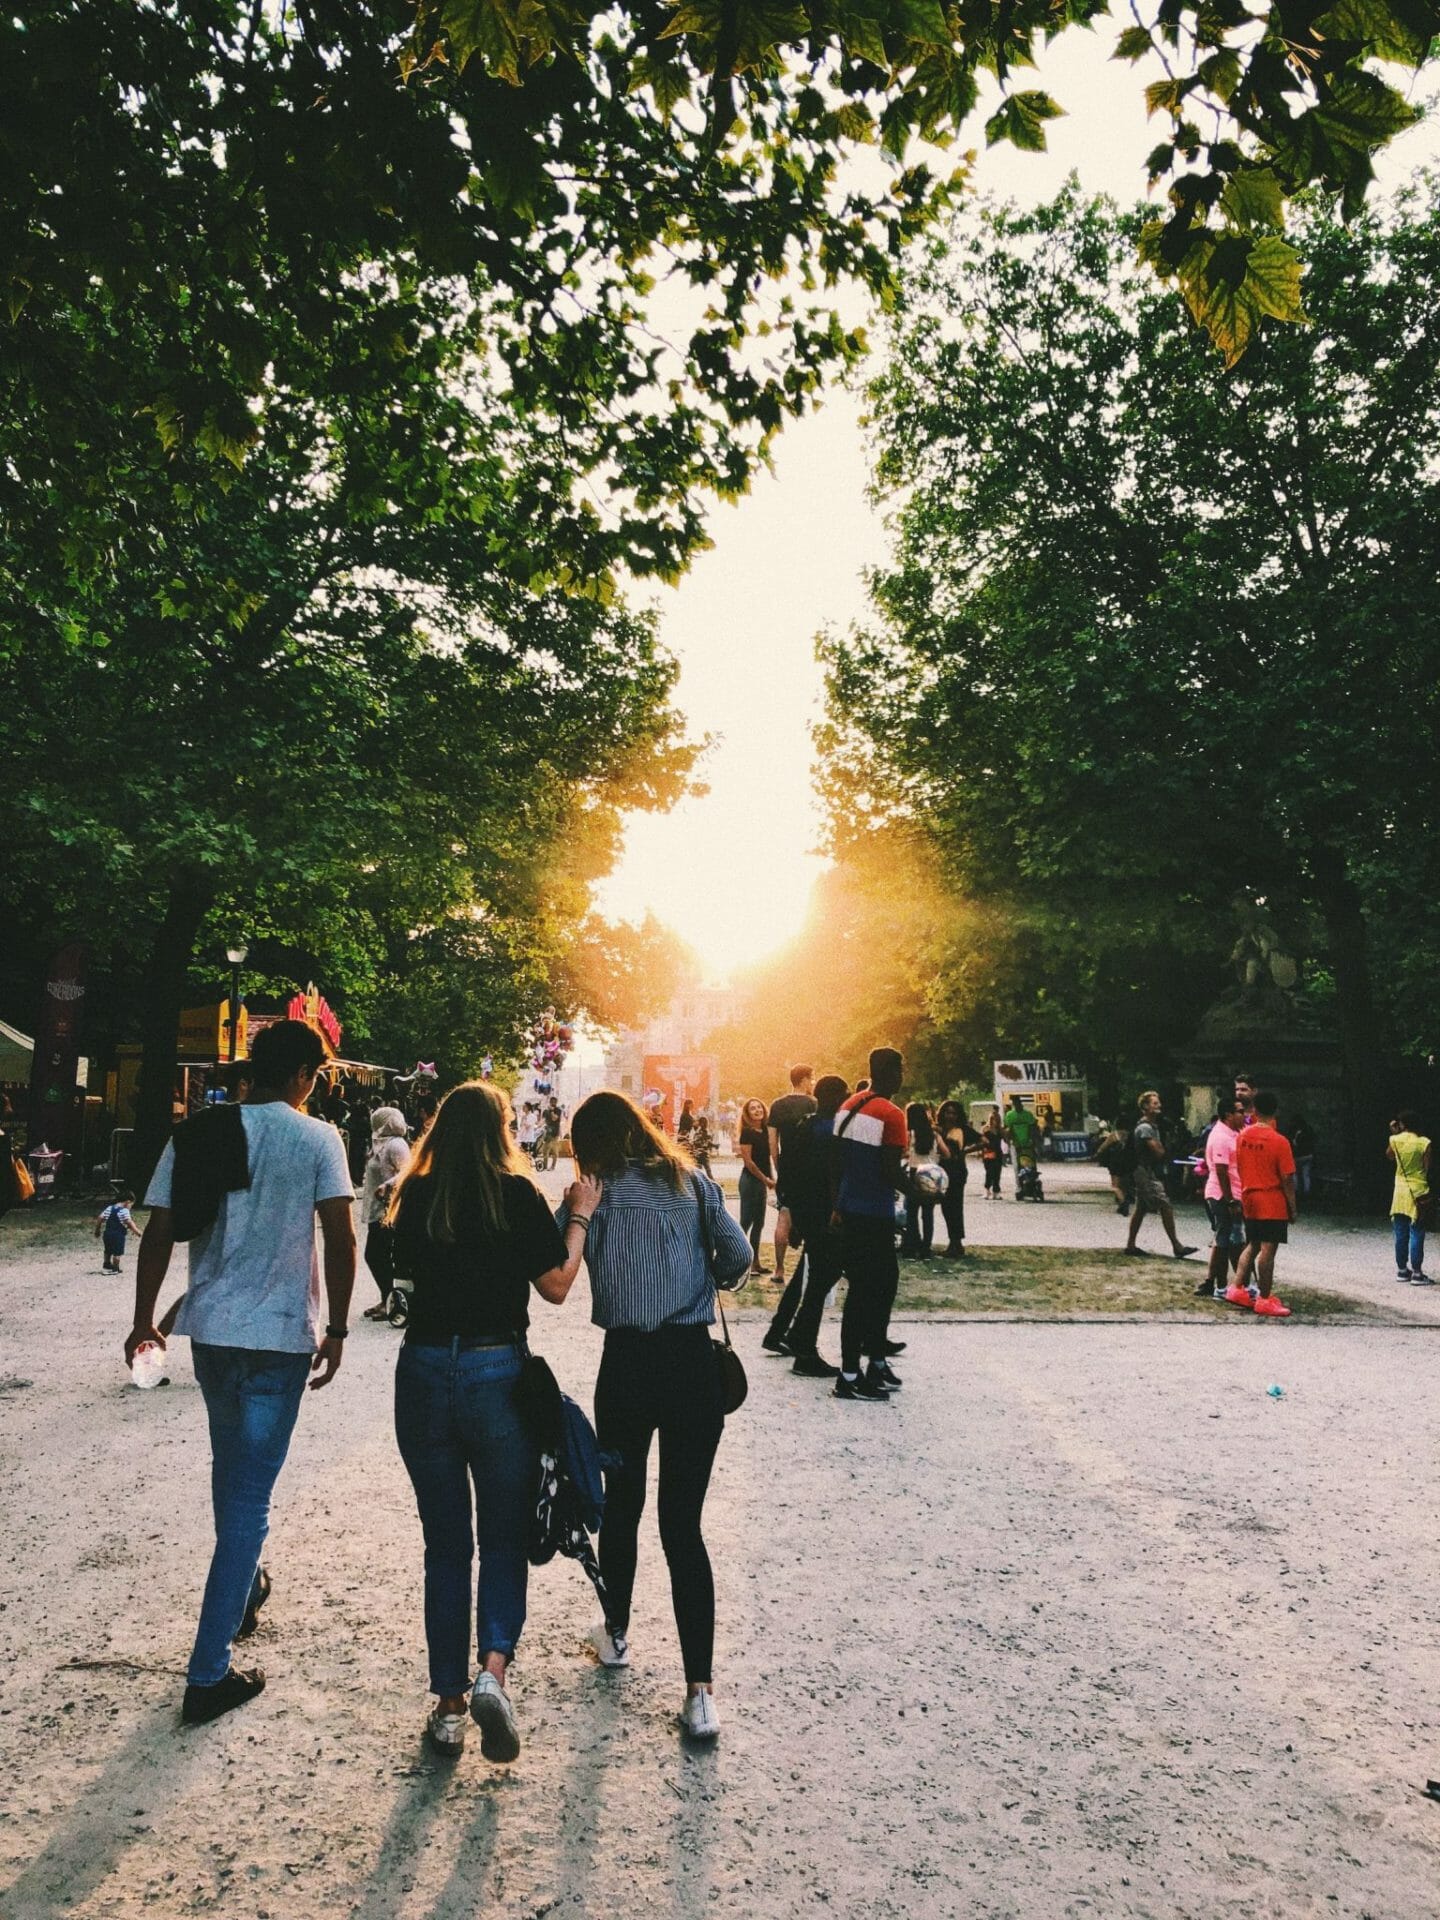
{"x":646,"y":1258}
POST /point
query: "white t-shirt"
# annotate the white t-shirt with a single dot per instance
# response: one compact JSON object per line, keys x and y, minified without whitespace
{"x":254,"y":1275}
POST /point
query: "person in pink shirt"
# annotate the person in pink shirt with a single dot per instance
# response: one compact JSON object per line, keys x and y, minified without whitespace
{"x":1222,"y":1196}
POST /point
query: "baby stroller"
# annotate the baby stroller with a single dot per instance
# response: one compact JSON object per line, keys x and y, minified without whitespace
{"x":1028,"y":1184}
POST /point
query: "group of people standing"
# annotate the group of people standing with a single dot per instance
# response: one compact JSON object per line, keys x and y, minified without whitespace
{"x":835,"y":1161}
{"x":473,"y":1235}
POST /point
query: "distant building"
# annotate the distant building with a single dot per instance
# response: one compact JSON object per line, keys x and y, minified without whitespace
{"x":685,"y":1027}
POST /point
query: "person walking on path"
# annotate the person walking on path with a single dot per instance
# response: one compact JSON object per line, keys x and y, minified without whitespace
{"x":1147,"y":1145}
{"x":756,"y":1176}
{"x":957,"y":1142}
{"x":1222,"y":1201}
{"x":473,"y":1235}
{"x":921,"y":1150}
{"x":784,"y":1117}
{"x":113,"y":1226}
{"x":653,"y":1269}
{"x":389,"y":1153}
{"x":867,"y":1171}
{"x":248,"y":1191}
{"x":1022,"y":1130}
{"x":992,"y":1153}
{"x":795,"y":1328}
{"x":1267,"y":1196}
{"x":1410,"y":1204}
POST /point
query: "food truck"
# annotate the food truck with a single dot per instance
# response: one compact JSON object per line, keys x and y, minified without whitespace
{"x":1057,"y":1085}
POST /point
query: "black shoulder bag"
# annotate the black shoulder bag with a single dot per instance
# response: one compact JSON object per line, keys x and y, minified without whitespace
{"x":733,"y":1384}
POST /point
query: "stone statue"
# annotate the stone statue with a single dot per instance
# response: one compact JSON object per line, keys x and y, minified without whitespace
{"x":1258,"y":956}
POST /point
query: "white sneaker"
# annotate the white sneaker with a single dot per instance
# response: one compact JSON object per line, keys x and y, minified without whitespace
{"x":491,"y":1711}
{"x":446,"y":1733}
{"x":699,"y":1718}
{"x":613,"y":1650}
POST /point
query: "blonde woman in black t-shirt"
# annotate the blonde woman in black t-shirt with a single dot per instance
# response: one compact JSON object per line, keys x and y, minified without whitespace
{"x":473,"y":1235}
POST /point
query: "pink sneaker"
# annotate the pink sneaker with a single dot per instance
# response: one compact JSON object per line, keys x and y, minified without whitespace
{"x":1272,"y":1308}
{"x":1238,"y":1297}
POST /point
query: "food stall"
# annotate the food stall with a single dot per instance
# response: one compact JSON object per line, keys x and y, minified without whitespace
{"x":1056,"y":1086}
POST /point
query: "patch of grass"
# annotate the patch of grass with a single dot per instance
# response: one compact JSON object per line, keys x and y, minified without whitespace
{"x":1046,"y":1283}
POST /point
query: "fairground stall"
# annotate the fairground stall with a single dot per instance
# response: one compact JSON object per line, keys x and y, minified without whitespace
{"x":1054,"y":1088}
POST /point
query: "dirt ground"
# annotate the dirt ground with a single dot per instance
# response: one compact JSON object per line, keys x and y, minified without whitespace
{"x":1085,"y":1623}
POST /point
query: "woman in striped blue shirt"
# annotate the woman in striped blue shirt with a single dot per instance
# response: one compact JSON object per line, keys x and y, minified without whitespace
{"x":653,"y":1292}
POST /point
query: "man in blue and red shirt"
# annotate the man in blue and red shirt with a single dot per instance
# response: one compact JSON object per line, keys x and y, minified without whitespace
{"x":866,"y":1170}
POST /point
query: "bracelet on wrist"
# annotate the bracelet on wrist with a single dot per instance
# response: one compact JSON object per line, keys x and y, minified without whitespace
{"x":581,"y":1220}
{"x":336,"y":1333}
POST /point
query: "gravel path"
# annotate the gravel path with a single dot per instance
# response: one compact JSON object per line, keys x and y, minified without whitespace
{"x":1084,"y":1624}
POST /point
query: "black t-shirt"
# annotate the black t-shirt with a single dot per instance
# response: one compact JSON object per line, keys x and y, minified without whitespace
{"x":952,"y":1152}
{"x":786,"y":1116}
{"x":758,"y":1141}
{"x":479,"y":1287}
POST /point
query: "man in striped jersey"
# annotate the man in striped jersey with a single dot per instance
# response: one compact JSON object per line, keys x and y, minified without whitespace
{"x":869,"y":1147}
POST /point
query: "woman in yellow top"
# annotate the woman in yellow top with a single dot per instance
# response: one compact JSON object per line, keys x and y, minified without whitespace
{"x":1409,"y":1149}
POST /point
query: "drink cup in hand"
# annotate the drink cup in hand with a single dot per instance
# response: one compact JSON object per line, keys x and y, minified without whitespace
{"x":148,"y":1365}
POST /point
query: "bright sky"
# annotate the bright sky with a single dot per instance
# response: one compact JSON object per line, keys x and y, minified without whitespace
{"x":731,"y":871}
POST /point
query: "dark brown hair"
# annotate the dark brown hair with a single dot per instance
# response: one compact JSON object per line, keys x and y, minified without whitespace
{"x":608,"y":1133}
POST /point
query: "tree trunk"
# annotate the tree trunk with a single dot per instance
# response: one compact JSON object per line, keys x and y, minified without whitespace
{"x":162,"y":999}
{"x":1364,"y":1099}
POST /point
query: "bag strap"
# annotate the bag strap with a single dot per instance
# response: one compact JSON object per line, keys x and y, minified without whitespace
{"x":724,"y":1323}
{"x":850,"y":1113}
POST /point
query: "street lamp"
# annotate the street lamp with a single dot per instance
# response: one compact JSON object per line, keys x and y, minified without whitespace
{"x":236,"y":953}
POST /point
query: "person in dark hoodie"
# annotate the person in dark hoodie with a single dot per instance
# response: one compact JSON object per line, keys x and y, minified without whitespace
{"x":245,"y":1185}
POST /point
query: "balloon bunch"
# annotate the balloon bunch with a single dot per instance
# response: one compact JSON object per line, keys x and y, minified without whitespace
{"x":550,"y":1041}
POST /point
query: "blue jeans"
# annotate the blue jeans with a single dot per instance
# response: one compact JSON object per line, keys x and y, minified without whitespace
{"x":456,"y":1419}
{"x":1409,"y":1243}
{"x":252,"y":1398}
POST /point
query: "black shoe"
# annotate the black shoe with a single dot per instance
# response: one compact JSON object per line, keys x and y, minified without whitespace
{"x":883,"y":1374}
{"x":812,"y":1367}
{"x":777,"y":1342}
{"x":208,"y":1703}
{"x":259,"y":1594}
{"x":862,"y":1387}
{"x":892,"y":1347}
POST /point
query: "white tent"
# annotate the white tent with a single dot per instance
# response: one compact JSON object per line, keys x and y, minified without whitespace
{"x":17,"y":1052}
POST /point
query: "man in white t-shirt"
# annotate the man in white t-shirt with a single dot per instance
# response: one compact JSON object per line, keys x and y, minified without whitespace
{"x":252,"y":1311}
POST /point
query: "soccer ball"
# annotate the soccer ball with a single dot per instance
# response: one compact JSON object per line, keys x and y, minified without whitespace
{"x":929,"y":1182}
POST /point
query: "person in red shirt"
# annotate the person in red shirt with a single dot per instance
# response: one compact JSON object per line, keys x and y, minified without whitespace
{"x":1266,"y":1166}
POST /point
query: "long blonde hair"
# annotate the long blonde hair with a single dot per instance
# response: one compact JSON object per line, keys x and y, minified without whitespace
{"x":464,"y":1156}
{"x":608,"y":1132}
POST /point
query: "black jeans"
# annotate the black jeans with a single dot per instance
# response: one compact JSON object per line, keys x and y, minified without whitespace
{"x":992,"y":1175}
{"x":802,"y":1306}
{"x":664,"y":1382}
{"x":867,"y":1252}
{"x":380,"y":1256}
{"x":952,"y":1205}
{"x":919,"y":1224}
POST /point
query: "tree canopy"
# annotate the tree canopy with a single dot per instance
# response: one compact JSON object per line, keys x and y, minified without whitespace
{"x":1148,"y":642}
{"x":647,"y":205}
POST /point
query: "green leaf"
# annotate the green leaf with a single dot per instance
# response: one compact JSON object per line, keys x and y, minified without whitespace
{"x":486,"y":28}
{"x":1168,"y":96}
{"x":1373,"y":24}
{"x":923,"y":21}
{"x":1133,"y":44}
{"x":1360,"y":111}
{"x":1253,"y":198}
{"x":1019,"y":121}
{"x":862,"y":36}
